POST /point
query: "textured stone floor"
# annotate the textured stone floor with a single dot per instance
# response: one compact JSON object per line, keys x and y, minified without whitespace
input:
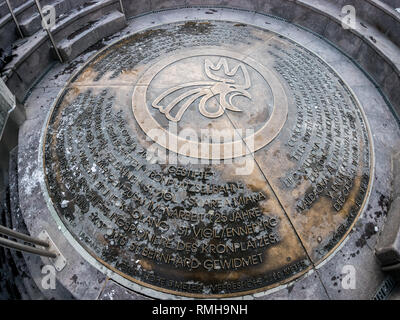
{"x":91,"y":281}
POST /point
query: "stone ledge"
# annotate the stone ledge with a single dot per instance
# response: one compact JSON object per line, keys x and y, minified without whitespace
{"x":58,"y":31}
{"x":32,"y":23}
{"x":17,"y":11}
{"x":368,"y":45}
{"x":36,"y":55}
{"x":110,"y":24}
{"x":114,"y":291}
{"x":387,"y":249}
{"x":392,"y":3}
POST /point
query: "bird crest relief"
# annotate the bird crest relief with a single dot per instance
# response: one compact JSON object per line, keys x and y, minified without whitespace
{"x":224,"y":86}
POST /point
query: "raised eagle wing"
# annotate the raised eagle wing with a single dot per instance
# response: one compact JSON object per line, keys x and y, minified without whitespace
{"x":191,"y":96}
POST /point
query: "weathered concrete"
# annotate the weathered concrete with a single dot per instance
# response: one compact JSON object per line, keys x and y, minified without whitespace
{"x":388,"y":246}
{"x":12,"y":116}
{"x":356,"y":251}
{"x":81,"y":16}
{"x":380,"y":16}
{"x":108,"y":25}
{"x":9,"y":32}
{"x":7,"y":104}
{"x":372,"y":43}
{"x":392,"y":3}
{"x":33,"y":23}
{"x":33,"y":57}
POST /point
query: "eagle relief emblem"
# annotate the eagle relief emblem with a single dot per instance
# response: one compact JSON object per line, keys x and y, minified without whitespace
{"x":224,"y":86}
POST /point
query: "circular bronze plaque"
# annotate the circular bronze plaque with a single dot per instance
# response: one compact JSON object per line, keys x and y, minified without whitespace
{"x":207,"y":159}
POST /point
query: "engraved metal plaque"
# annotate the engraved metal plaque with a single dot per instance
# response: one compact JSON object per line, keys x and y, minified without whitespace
{"x":136,"y":169}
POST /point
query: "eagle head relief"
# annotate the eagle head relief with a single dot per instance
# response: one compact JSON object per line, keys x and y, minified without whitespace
{"x":224,"y":84}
